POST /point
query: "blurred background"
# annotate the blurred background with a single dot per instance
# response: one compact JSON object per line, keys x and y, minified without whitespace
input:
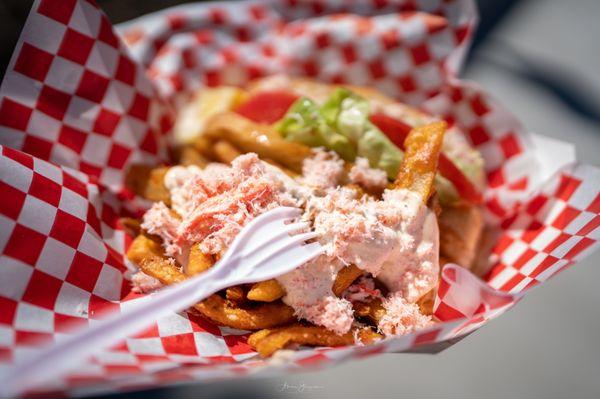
{"x":541,"y":60}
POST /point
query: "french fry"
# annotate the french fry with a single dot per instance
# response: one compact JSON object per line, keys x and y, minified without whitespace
{"x":426,"y":302}
{"x":188,"y":155}
{"x":344,"y":278}
{"x":148,"y":182}
{"x":367,"y":335}
{"x":220,"y":310}
{"x":266,"y":291}
{"x":256,"y":317}
{"x":257,"y":336}
{"x":225,"y":152}
{"x":267,"y":343}
{"x":204,"y":147}
{"x":161,"y":269}
{"x":271,"y":290}
{"x":372,"y":310}
{"x":198,"y":261}
{"x":419,"y":166}
{"x":131,"y":226}
{"x":235,"y":294}
{"x":249,"y":136}
{"x":143,"y":247}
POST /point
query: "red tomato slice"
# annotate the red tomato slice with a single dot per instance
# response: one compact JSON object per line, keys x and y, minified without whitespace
{"x":267,"y":106}
{"x":396,"y":130}
{"x":466,"y":189}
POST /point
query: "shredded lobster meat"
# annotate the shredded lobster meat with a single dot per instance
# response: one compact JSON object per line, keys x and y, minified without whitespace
{"x":323,"y":170}
{"x":144,"y":284}
{"x":401,"y":317}
{"x":394,"y":239}
{"x":362,"y":290}
{"x":363,"y":175}
{"x":159,"y":220}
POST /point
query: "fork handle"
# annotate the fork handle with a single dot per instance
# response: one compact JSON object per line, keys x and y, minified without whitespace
{"x":140,"y":313}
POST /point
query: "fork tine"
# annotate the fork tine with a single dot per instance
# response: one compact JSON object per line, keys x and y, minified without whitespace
{"x":286,"y":212}
{"x":298,"y":238}
{"x":263,"y":225}
{"x":308,"y":251}
{"x":292,"y":227}
{"x":274,"y":247}
{"x":276,"y":215}
{"x":286,"y":261}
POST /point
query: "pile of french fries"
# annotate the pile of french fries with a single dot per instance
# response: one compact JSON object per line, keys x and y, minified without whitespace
{"x":258,"y":307}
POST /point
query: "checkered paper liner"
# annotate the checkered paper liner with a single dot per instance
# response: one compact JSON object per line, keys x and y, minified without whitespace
{"x":80,"y":103}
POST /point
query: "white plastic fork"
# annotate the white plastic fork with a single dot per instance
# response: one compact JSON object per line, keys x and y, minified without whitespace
{"x":262,"y":250}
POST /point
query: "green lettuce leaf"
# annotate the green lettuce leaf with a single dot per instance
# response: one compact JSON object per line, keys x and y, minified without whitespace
{"x":304,"y":123}
{"x":341,"y":124}
{"x":353,"y":122}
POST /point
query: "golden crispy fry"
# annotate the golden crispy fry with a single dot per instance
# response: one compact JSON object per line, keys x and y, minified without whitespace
{"x":372,"y":310}
{"x":148,"y":182}
{"x":266,"y":291}
{"x":254,"y":317}
{"x":267,"y":343}
{"x":217,"y":309}
{"x":235,"y":294}
{"x":188,"y":155}
{"x":225,"y":152}
{"x":426,"y":302}
{"x":344,"y":278}
{"x":161,"y":269}
{"x":249,"y":136}
{"x":143,"y":247}
{"x":271,"y":290}
{"x":367,"y":335}
{"x":254,"y":338}
{"x":131,"y":226}
{"x":460,"y":231}
{"x":204,"y":146}
{"x":419,"y":165}
{"x":198,"y":262}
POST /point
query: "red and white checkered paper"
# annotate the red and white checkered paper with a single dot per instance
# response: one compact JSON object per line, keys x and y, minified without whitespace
{"x":79,"y":103}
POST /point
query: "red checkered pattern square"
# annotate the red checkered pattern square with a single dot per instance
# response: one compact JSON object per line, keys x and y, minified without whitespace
{"x":14,"y":115}
{"x":60,"y":11}
{"x":75,"y":46}
{"x":76,"y":97}
{"x":82,"y":68}
{"x":33,"y":62}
